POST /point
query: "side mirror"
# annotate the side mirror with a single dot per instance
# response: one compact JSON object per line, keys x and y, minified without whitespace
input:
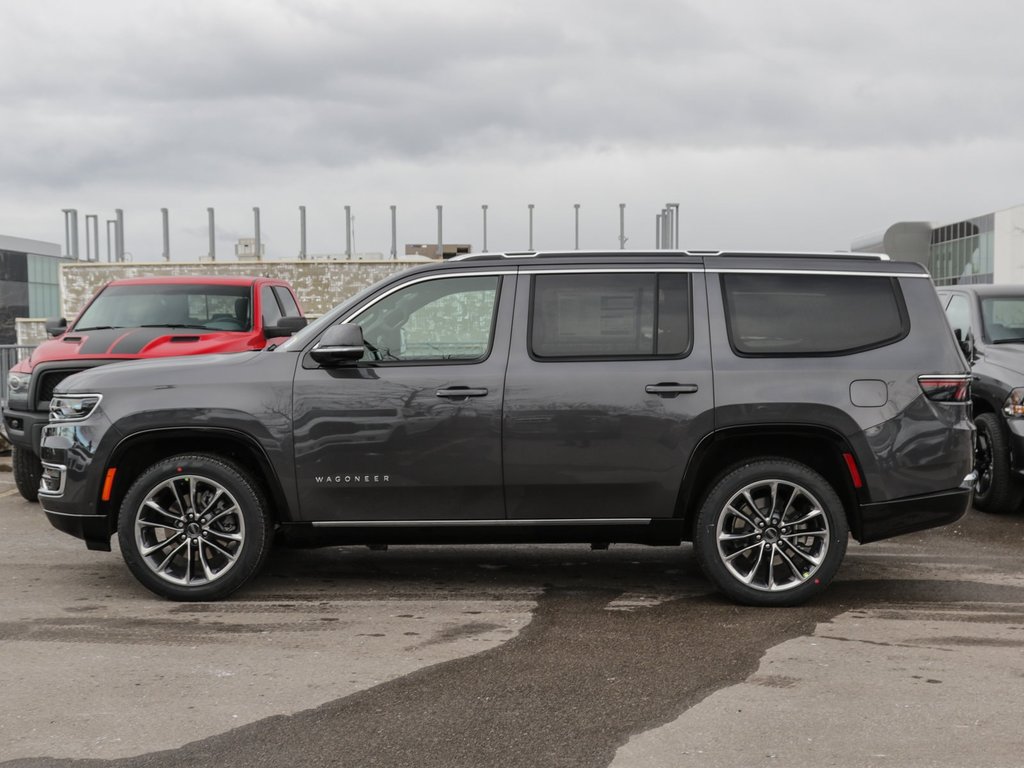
{"x":55,"y":326}
{"x":342,"y":343}
{"x":286,"y":326}
{"x":966,"y":345}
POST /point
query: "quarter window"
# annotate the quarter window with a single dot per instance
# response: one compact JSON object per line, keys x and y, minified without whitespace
{"x":799,"y":315}
{"x":448,"y":319}
{"x":600,"y":316}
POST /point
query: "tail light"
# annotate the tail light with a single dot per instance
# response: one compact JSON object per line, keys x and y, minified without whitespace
{"x":946,"y":388}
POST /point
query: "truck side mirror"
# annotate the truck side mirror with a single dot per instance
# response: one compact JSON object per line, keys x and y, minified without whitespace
{"x":966,"y":344}
{"x":342,"y":343}
{"x":55,"y":326}
{"x":286,"y":326}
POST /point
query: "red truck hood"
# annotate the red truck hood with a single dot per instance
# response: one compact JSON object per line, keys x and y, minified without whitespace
{"x":129,"y":343}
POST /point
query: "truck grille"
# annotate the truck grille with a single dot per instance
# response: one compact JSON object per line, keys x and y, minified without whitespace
{"x":48,"y":381}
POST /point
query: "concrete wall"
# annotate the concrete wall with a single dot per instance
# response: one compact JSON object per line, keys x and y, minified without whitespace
{"x":319,"y":285}
{"x":31,"y":331}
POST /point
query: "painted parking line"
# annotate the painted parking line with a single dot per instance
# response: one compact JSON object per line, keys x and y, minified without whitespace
{"x":8,"y":493}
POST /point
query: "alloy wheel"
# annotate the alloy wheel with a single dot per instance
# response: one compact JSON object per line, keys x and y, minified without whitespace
{"x":773,"y":535}
{"x":189,"y":530}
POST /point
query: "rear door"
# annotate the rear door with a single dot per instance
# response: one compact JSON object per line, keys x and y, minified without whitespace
{"x":608,"y":391}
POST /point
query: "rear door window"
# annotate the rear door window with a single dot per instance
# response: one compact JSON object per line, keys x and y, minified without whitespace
{"x":814,"y":314}
{"x":610,"y":316}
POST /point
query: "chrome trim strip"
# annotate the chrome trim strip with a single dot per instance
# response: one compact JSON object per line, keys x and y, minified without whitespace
{"x":439,"y":276}
{"x":63,"y":481}
{"x":590,"y":270}
{"x":840,"y":272}
{"x":479,"y":523}
{"x":74,"y":395}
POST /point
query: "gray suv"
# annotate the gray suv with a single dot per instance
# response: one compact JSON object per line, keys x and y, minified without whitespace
{"x":763,"y":406}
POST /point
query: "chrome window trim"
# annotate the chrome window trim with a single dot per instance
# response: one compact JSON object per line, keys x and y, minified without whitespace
{"x":584,"y":270}
{"x":836,"y":272}
{"x":425,"y":278}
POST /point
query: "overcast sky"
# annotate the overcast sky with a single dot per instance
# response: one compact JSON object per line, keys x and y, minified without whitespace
{"x":784,"y":124}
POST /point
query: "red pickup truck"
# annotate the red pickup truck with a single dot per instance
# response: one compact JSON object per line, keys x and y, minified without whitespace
{"x":141,"y":318}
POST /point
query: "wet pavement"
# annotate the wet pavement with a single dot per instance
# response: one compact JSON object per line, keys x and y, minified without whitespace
{"x":513,"y":656}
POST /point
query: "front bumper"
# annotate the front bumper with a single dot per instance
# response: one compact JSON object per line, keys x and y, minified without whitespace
{"x":93,"y":529}
{"x":886,"y":519}
{"x":25,"y":428}
{"x":70,"y":485}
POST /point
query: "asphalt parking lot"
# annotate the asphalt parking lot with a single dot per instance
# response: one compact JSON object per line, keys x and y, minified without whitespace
{"x":513,"y":656}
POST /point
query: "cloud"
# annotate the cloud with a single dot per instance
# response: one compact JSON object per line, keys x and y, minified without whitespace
{"x":113,"y":103}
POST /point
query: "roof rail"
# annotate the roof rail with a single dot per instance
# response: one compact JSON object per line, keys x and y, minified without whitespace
{"x":646,"y":254}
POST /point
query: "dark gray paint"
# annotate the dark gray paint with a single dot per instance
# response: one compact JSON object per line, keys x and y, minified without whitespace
{"x":570,"y":441}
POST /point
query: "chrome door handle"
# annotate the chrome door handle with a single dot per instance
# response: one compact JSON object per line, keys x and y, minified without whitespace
{"x":461,"y":393}
{"x":670,"y":389}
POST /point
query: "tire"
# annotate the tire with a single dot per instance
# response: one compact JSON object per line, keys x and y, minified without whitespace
{"x":997,"y":490}
{"x":775,"y":507}
{"x":28,"y":471}
{"x":194,"y":527}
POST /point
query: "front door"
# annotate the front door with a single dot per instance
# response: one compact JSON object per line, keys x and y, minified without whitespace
{"x":413,"y":430}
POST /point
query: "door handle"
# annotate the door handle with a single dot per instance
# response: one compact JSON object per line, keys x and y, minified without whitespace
{"x":670,"y":389}
{"x":461,"y":393}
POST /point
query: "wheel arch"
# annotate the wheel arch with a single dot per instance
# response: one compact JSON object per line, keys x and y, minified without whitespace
{"x":141,"y":450}
{"x":820,"y":448}
{"x":980,"y":405}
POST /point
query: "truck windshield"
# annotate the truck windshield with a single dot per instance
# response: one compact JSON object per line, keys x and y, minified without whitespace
{"x":210,"y":307}
{"x":1004,"y":319}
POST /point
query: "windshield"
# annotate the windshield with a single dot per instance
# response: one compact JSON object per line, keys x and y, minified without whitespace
{"x":209,"y":307}
{"x":1003,"y":317}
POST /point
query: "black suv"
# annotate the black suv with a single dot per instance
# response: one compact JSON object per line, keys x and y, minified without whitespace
{"x":988,"y":321}
{"x":762,"y":406}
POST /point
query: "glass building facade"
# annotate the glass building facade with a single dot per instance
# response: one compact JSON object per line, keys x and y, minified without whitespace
{"x":29,"y":285}
{"x":963,"y":252}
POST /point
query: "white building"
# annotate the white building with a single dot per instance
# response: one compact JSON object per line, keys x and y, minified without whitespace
{"x":980,"y":249}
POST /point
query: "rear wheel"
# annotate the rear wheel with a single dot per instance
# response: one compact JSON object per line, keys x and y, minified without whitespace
{"x":194,"y":528}
{"x":997,"y":489}
{"x":28,"y":471}
{"x":771,"y":532}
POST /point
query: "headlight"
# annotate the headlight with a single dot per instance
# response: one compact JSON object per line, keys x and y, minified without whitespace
{"x":1014,"y":403}
{"x":17,"y":383}
{"x":73,"y":407}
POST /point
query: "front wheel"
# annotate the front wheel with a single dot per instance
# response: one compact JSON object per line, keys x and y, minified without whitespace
{"x":771,"y":532}
{"x":28,"y":471}
{"x":194,"y":528}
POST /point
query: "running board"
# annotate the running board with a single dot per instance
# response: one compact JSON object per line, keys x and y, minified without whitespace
{"x":480,"y":523}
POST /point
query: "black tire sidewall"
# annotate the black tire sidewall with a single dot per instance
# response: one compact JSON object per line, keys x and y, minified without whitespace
{"x":28,"y":472}
{"x":705,"y":538}
{"x":254,"y":512}
{"x":1004,"y":491}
